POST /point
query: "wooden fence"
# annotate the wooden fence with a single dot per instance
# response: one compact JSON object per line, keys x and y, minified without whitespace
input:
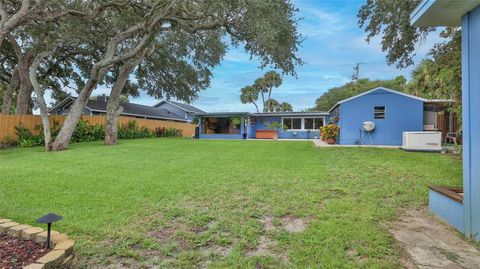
{"x":8,"y":123}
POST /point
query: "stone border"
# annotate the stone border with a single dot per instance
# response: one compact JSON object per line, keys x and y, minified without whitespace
{"x":61,"y":256}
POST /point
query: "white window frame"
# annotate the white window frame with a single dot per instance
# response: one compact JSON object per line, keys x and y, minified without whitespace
{"x":302,"y":124}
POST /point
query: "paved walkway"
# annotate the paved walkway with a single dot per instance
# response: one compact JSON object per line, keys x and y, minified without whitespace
{"x":322,"y":144}
{"x":430,"y":243}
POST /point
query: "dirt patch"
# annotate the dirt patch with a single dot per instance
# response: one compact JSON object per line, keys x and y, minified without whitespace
{"x":217,"y":250}
{"x":432,"y":244}
{"x":293,"y":225}
{"x":264,"y":247}
{"x":267,"y":223}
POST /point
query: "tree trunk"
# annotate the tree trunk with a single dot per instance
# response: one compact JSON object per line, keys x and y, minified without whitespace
{"x":11,"y":89}
{"x":24,"y":97}
{"x":269,"y":97}
{"x":73,"y":117}
{"x":263,"y":101}
{"x":256,"y":107}
{"x":40,"y":98}
{"x":97,"y":72}
{"x":113,"y":109}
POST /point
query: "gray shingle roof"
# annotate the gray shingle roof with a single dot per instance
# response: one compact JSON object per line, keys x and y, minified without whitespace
{"x":135,"y":110}
{"x":183,"y":106}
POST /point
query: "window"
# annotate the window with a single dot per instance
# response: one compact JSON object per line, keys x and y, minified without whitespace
{"x":297,"y":123}
{"x":292,"y":123}
{"x":287,"y":122}
{"x":308,"y":124}
{"x":379,"y":112}
{"x":318,"y":123}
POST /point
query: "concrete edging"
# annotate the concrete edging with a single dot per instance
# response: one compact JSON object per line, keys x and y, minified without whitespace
{"x":62,"y":256}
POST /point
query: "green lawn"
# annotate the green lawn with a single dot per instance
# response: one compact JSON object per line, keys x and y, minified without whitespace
{"x":184,"y":203}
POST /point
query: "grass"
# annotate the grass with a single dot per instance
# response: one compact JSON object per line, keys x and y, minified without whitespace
{"x":183,"y":203}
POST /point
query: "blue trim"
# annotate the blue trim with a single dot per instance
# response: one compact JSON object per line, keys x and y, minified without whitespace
{"x":447,"y":209}
{"x":471,"y":121}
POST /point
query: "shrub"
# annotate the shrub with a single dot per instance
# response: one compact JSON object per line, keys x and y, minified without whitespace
{"x":132,"y":131}
{"x":330,"y":131}
{"x":8,"y":142}
{"x":26,"y":138}
{"x":86,"y":132}
{"x":168,"y":132}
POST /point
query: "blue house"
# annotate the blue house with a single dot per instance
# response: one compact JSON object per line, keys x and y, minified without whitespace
{"x":460,"y":206}
{"x":392,"y":112}
{"x":245,"y":125}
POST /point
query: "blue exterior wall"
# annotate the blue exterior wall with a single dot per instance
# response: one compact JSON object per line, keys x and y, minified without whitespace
{"x":261,"y":123}
{"x":447,"y":209}
{"x":402,"y":114}
{"x":471,"y":121}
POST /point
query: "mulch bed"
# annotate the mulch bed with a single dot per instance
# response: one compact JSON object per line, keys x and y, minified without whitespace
{"x":16,"y":253}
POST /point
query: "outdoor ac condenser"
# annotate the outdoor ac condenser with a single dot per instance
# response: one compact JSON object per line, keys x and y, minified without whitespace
{"x":422,"y":141}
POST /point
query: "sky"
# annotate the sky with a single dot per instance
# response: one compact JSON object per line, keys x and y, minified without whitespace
{"x":333,"y":45}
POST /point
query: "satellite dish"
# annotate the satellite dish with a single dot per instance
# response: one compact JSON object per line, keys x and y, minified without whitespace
{"x":368,"y":126}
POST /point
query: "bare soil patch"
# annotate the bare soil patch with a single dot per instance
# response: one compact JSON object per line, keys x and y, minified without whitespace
{"x":431,"y":243}
{"x":16,"y":252}
{"x":293,"y":225}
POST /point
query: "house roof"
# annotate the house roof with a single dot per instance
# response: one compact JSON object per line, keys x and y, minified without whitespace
{"x":187,"y":108}
{"x":266,"y":114}
{"x":376,"y":89}
{"x":292,"y":114}
{"x":441,"y":12}
{"x":225,"y":114}
{"x":129,"y":109}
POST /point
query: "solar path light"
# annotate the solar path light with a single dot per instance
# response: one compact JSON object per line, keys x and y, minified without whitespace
{"x":49,"y":219}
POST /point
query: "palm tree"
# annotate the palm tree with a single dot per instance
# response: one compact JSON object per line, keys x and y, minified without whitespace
{"x":259,"y":86}
{"x":272,"y":105}
{"x":284,"y":107}
{"x":249,"y":95}
{"x":271,"y":79}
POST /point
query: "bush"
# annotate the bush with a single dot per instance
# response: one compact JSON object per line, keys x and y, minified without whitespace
{"x":26,"y":138}
{"x":86,"y":132}
{"x":330,"y":131}
{"x":8,"y":142}
{"x":132,"y":131}
{"x":168,"y":132}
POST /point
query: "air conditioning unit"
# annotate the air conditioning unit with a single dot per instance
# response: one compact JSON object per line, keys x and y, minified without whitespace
{"x":422,"y":141}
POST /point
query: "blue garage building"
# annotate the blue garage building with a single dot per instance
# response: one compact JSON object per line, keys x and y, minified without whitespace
{"x":392,"y":112}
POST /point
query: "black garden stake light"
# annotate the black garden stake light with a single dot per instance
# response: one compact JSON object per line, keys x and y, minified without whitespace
{"x":49,"y":219}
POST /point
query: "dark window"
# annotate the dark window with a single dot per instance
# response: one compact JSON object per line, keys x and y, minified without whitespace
{"x":297,"y":123}
{"x":308,"y":123}
{"x":379,"y":112}
{"x":287,"y":122}
{"x":318,"y":123}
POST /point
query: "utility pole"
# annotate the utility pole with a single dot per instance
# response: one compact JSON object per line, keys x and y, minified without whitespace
{"x":356,"y":72}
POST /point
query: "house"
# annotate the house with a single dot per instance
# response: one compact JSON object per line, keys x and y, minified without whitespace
{"x":392,"y":112}
{"x":460,"y":207}
{"x":238,"y":125}
{"x":188,"y":112}
{"x":99,"y":107}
